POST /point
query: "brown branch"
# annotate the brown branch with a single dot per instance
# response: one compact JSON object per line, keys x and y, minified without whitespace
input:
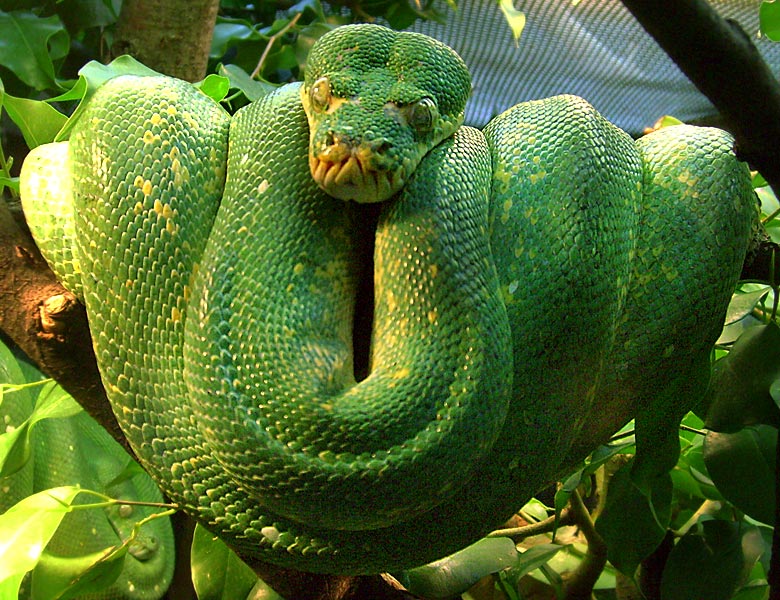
{"x":47,"y":323}
{"x":720,"y":60}
{"x":169,"y":36}
{"x":579,"y":584}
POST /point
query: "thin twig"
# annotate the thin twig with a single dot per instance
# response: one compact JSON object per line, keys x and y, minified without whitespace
{"x":270,"y":43}
{"x":544,"y":526}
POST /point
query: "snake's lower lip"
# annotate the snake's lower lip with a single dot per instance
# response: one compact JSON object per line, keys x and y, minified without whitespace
{"x":350,"y":179}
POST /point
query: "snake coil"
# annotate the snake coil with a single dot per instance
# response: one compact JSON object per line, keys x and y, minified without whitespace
{"x":536,"y":285}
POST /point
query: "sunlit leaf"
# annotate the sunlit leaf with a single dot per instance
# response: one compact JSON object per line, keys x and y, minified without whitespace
{"x":514,"y":18}
{"x":769,"y":19}
{"x":92,"y":76}
{"x":38,"y":121}
{"x":27,"y":527}
{"x":240,"y":80}
{"x":742,"y":305}
{"x":75,"y":576}
{"x":15,"y":444}
{"x":214,"y":86}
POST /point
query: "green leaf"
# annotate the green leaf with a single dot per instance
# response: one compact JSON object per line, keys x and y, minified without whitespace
{"x":515,"y":18}
{"x":217,"y":572}
{"x":758,"y":180}
{"x":15,"y":445}
{"x":91,"y":77}
{"x":534,"y":558}
{"x":454,"y":574}
{"x":705,"y":563}
{"x":10,"y":182}
{"x":629,"y":509}
{"x":86,"y":14}
{"x":769,"y":20}
{"x":667,"y":121}
{"x":214,"y":86}
{"x":262,"y":591}
{"x":10,"y":371}
{"x":742,"y":466}
{"x":29,"y":45}
{"x":740,"y":388}
{"x":38,"y":121}
{"x":9,"y":587}
{"x":239,"y":79}
{"x":599,"y":457}
{"x":66,"y":577}
{"x":27,"y":527}
{"x":742,"y":305}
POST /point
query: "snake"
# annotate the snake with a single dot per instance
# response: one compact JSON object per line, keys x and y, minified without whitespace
{"x":76,"y":450}
{"x":348,"y":333}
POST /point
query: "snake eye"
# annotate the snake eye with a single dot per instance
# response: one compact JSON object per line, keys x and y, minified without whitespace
{"x":421,"y":114}
{"x":320,"y":93}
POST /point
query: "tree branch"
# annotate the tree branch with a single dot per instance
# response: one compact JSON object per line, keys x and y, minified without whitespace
{"x":47,"y":322}
{"x":170,"y":37}
{"x":720,"y":60}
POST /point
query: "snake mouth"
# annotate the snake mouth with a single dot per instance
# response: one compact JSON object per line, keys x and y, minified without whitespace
{"x":353,"y":178}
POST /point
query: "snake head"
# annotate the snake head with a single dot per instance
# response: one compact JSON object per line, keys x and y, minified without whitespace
{"x":377,"y":101}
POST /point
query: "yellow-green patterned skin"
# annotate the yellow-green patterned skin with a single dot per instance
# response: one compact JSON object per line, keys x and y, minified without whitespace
{"x":526,"y":279}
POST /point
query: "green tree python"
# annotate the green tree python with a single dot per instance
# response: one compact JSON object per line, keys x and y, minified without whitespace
{"x":530,"y":280}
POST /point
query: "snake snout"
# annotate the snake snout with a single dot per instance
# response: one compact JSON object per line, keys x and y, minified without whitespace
{"x":362,"y":170}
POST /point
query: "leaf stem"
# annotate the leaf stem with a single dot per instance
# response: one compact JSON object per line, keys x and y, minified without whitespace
{"x":770,"y":216}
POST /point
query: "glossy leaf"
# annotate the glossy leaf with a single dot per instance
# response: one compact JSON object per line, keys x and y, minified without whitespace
{"x":29,"y":45}
{"x":27,"y":527}
{"x":215,"y":87}
{"x":38,"y":121}
{"x":628,"y":509}
{"x":514,"y":18}
{"x":262,"y":591}
{"x":769,"y":19}
{"x":741,"y":383}
{"x":742,"y":466}
{"x":454,"y":574}
{"x":239,"y":79}
{"x":217,"y":572}
{"x":73,"y":577}
{"x":742,"y":305}
{"x":91,"y":77}
{"x":705,"y":563}
{"x":534,"y":558}
{"x":52,"y":402}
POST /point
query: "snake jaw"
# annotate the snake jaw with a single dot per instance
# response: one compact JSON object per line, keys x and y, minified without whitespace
{"x":354,"y":174}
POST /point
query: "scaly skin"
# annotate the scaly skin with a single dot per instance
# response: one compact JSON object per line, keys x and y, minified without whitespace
{"x":525,"y":279}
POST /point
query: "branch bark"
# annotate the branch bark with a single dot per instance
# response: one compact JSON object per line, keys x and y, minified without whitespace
{"x":170,"y":37}
{"x":722,"y":62}
{"x":47,"y":323}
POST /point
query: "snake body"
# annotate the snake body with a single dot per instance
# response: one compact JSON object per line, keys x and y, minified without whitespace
{"x":535,"y":286}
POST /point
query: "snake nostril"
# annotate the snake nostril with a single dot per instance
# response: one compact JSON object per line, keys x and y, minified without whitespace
{"x":381,"y":146}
